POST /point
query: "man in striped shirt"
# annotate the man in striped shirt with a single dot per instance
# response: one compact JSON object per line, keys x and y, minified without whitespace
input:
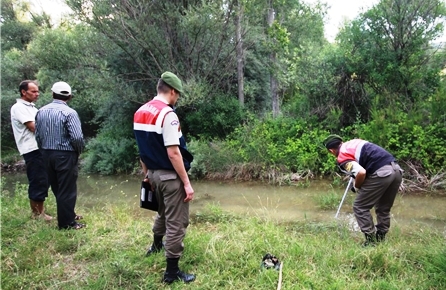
{"x":59,"y":135}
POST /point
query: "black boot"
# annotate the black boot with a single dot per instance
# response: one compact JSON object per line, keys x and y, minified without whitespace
{"x":173,"y":272}
{"x":380,"y":236}
{"x":156,"y":246}
{"x":369,"y":240}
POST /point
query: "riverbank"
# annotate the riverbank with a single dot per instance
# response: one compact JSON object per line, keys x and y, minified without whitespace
{"x":413,"y":181}
{"x":223,"y":249}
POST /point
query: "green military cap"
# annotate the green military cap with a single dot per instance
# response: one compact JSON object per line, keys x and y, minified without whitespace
{"x":172,"y":80}
{"x":332,"y":141}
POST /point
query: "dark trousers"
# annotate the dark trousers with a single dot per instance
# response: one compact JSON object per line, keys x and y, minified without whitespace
{"x":378,"y":190}
{"x":37,"y":177}
{"x":62,"y":175}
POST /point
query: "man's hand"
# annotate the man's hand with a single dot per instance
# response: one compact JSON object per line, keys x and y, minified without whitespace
{"x":189,"y":192}
{"x":31,"y":126}
{"x":354,"y":189}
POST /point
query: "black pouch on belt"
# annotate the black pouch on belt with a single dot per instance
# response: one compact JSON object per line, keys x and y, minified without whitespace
{"x":148,"y":197}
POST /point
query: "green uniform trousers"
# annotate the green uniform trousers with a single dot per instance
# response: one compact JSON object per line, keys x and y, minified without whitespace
{"x":173,"y":213}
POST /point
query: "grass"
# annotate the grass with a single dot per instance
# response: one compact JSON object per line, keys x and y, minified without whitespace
{"x":224,"y":251}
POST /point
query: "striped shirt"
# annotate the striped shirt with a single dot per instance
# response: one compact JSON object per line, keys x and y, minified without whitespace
{"x":58,"y":127}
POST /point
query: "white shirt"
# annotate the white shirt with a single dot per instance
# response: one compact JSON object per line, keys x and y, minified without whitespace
{"x":171,"y":129}
{"x":22,"y":112}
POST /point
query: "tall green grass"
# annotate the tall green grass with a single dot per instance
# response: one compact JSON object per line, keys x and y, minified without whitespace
{"x":224,"y":251}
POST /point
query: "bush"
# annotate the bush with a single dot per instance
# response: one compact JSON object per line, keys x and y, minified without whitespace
{"x":210,"y":157}
{"x":283,"y":145}
{"x":7,"y":100}
{"x":295,"y":144}
{"x":213,"y":118}
{"x":409,"y":137}
{"x":108,"y":156}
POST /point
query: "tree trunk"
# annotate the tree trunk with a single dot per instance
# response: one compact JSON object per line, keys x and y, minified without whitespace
{"x":239,"y":52}
{"x":272,"y":57}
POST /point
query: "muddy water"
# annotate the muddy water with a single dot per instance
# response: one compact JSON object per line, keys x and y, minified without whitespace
{"x":284,"y":203}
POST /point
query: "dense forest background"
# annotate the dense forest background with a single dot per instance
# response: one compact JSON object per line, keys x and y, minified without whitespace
{"x":264,"y":87}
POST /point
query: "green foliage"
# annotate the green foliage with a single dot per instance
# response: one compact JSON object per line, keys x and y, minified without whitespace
{"x":114,"y":53}
{"x":436,"y":104}
{"x":200,"y":152}
{"x":210,"y":157}
{"x":110,"y":156}
{"x":256,"y":77}
{"x":408,"y":137}
{"x":16,"y":32}
{"x":328,"y":201}
{"x":214,"y":214}
{"x":389,"y":47}
{"x":280,"y":37}
{"x":189,"y":39}
{"x":292,"y":143}
{"x":7,"y":137}
{"x":325,"y":88}
{"x":213,"y":118}
{"x":78,"y":56}
{"x":287,"y":144}
{"x":17,"y":65}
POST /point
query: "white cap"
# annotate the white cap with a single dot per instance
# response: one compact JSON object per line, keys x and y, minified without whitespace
{"x":61,"y":88}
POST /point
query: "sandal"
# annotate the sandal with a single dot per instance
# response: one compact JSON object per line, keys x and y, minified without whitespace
{"x":78,"y":217}
{"x":74,"y":226}
{"x":77,"y":226}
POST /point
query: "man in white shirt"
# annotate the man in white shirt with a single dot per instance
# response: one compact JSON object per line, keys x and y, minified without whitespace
{"x":23,"y":114}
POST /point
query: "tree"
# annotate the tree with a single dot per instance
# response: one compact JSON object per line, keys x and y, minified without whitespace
{"x":193,"y":39}
{"x":390,"y":47}
{"x":17,"y":32}
{"x":80,"y":56}
{"x":272,"y":57}
{"x":239,"y":51}
{"x":290,"y":28}
{"x":19,"y":26}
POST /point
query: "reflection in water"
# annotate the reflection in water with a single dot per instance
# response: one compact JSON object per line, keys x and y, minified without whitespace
{"x":285,"y":203}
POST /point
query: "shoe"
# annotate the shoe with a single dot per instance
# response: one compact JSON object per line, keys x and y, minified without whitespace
{"x":73,"y":226}
{"x":78,"y":217}
{"x":380,"y":236}
{"x":153,"y":250}
{"x":173,"y":272}
{"x":156,"y":246}
{"x":178,"y":276}
{"x":370,"y":240}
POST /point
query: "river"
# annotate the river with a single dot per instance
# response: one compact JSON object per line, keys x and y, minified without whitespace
{"x":279,"y":203}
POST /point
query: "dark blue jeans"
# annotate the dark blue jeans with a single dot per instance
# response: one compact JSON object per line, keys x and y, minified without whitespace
{"x":62,"y":175}
{"x":37,"y":177}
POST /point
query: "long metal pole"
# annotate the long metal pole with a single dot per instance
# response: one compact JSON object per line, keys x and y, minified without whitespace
{"x":345,"y":193}
{"x":279,"y":284}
